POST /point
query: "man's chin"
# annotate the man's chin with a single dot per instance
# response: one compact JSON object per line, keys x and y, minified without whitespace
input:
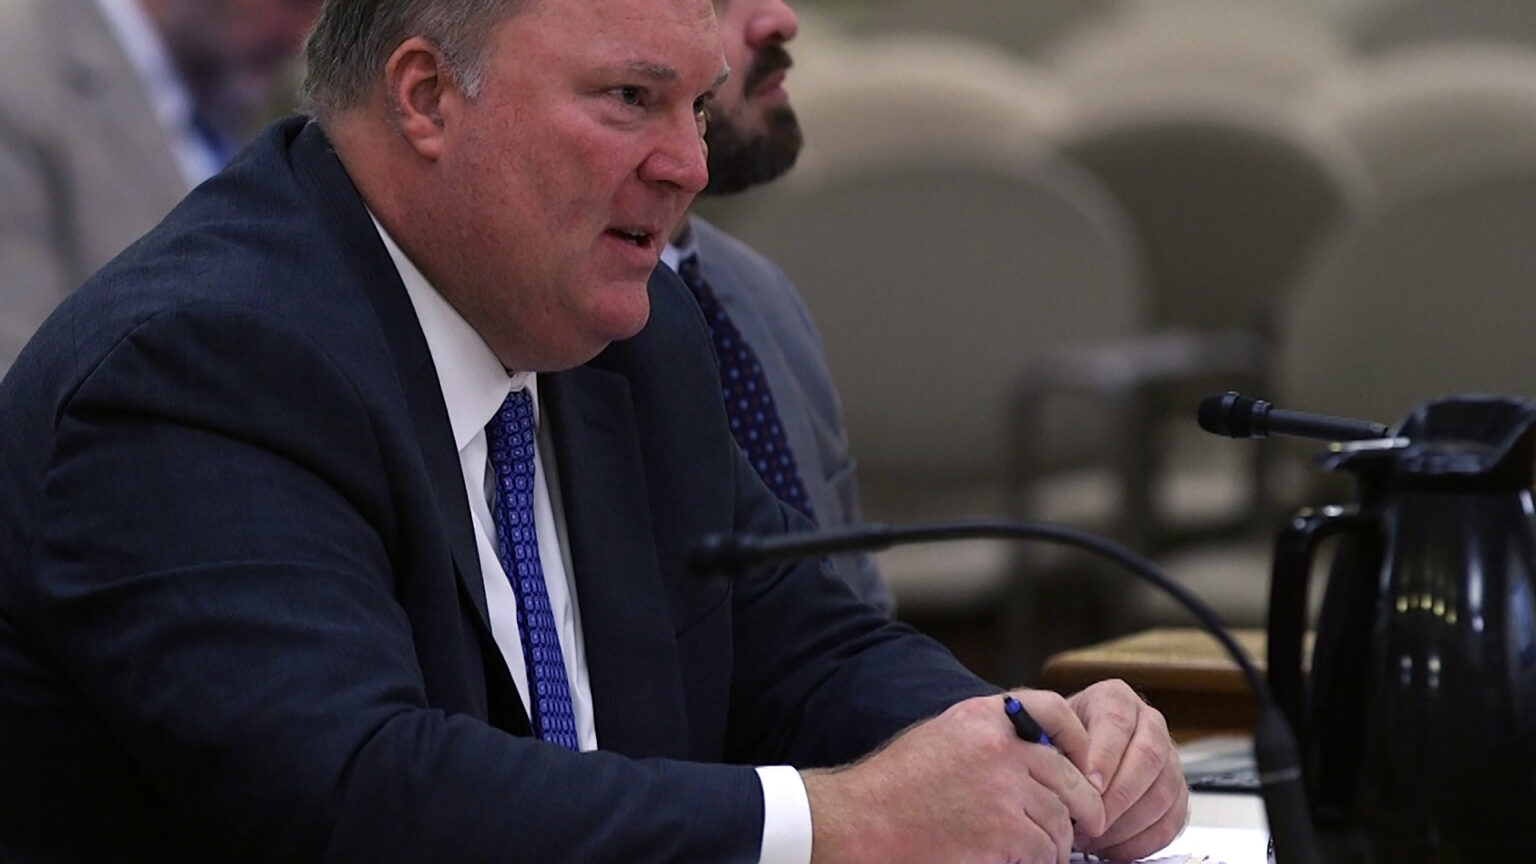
{"x":622,"y":314}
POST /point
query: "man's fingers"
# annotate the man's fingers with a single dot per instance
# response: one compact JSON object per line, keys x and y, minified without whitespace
{"x":1146,"y":755}
{"x":1048,"y":814}
{"x":1082,"y":802}
{"x":1150,"y":824}
{"x":1057,"y":717}
{"x":1109,"y":711}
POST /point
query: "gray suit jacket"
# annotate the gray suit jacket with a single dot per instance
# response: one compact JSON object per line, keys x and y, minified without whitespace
{"x":766,"y":308}
{"x":84,"y":167}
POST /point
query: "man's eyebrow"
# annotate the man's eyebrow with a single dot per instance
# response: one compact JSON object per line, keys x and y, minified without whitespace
{"x":655,"y":71}
{"x":663,"y":72}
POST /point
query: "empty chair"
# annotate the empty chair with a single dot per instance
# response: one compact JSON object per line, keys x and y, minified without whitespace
{"x":1227,"y":196}
{"x":1419,"y":114}
{"x":1428,"y":296}
{"x":935,"y":283}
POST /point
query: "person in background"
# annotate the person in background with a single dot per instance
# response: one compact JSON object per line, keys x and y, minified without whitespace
{"x":110,"y":110}
{"x":347,"y":514}
{"x":771,"y":358}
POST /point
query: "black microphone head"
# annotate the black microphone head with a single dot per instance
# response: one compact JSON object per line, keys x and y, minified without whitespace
{"x":1213,"y":410}
{"x":1230,"y":414}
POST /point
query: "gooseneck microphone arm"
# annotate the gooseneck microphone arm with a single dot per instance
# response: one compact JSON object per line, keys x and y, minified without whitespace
{"x":1274,"y":744}
{"x":1237,"y":416}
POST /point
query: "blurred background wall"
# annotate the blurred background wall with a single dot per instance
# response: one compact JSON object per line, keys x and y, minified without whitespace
{"x":1035,"y":232}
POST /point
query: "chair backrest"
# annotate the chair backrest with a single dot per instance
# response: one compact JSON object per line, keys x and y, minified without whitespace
{"x":1026,"y":29}
{"x":887,"y":96}
{"x":936,"y":283}
{"x":1419,"y":115}
{"x":1260,"y":50}
{"x":1429,"y":295}
{"x":906,"y":92}
{"x":1417,"y":22}
{"x":1226,"y":195}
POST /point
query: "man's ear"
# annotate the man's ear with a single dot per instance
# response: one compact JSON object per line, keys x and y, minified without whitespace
{"x":419,"y":86}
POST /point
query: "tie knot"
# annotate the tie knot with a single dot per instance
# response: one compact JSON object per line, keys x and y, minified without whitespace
{"x":513,"y":423}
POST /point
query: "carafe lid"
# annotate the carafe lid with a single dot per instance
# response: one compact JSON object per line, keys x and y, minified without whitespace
{"x":1469,"y":441}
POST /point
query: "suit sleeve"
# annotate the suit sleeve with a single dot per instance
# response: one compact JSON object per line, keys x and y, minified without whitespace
{"x":821,"y":677}
{"x":213,"y":571}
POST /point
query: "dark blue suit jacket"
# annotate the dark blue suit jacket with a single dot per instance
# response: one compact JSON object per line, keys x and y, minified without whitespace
{"x":241,"y":612}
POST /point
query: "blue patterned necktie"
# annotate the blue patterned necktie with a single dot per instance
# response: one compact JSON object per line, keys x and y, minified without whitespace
{"x":748,"y":401}
{"x":510,"y":436}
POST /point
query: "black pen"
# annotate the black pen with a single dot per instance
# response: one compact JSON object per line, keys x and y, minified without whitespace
{"x":1027,"y":727}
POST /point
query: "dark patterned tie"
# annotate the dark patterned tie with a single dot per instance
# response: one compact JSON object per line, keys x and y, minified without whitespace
{"x":748,"y":401}
{"x":510,"y":436}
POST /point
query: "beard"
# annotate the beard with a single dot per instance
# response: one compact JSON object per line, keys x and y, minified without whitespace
{"x":740,"y":158}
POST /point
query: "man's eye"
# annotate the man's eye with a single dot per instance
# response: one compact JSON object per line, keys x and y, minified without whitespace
{"x":701,"y":113}
{"x":630,"y":95}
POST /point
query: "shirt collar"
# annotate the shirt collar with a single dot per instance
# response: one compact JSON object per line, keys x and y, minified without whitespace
{"x":474,"y":382}
{"x":676,"y":253}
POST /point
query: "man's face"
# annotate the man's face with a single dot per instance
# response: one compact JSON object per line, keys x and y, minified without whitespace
{"x":562,"y":180}
{"x":753,"y":134}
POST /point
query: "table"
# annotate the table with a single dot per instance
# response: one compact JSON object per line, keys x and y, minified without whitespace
{"x":1183,"y":672}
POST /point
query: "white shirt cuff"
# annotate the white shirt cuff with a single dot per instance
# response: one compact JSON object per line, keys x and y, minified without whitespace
{"x":786,"y":816}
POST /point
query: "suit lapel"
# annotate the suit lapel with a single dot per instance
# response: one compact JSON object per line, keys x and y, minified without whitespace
{"x":321,"y":172}
{"x":631,"y":649}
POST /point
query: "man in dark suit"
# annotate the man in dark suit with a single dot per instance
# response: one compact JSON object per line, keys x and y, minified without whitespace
{"x":364,"y":449}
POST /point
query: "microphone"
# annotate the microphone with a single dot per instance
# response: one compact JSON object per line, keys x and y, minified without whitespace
{"x":1274,"y":744}
{"x":1239,"y":416}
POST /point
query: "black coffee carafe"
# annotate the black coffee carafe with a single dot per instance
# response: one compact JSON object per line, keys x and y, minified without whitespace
{"x":1417,"y":721}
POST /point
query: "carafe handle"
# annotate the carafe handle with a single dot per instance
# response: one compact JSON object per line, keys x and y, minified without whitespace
{"x":1288,"y":587}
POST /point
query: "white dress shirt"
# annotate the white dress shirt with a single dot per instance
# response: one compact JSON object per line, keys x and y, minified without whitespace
{"x":474,"y":385}
{"x":673,"y":255}
{"x":169,"y":98}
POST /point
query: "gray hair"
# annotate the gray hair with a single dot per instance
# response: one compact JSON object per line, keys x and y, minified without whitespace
{"x":353,"y":39}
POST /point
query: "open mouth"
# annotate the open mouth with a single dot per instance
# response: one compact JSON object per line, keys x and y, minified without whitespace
{"x":641,"y":239}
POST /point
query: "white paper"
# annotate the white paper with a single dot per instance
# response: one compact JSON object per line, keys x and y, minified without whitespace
{"x":1217,"y":846}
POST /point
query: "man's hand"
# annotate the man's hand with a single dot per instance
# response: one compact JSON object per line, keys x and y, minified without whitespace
{"x":1131,"y":760}
{"x":960,"y":787}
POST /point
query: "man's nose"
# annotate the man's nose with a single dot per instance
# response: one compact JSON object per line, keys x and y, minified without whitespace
{"x":679,"y":158}
{"x":776,"y":22}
